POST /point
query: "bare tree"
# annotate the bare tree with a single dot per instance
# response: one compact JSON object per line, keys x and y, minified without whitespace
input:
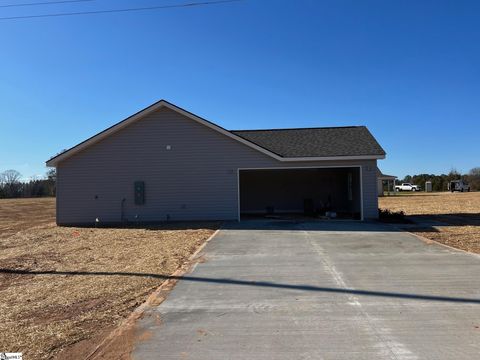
{"x":52,"y":181}
{"x":474,"y":178}
{"x":10,"y":183}
{"x":475,"y":171}
{"x":52,"y":174}
{"x":10,"y":177}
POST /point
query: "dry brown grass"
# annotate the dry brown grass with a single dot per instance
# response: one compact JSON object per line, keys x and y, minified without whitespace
{"x":433,"y":203}
{"x":458,"y":214}
{"x":20,"y":214}
{"x":95,"y":276}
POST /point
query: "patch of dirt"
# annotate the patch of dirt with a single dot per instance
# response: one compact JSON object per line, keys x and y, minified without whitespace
{"x":63,"y":312}
{"x":63,"y":288}
{"x":461,"y":237}
{"x":83,"y":348}
{"x":456,"y":217}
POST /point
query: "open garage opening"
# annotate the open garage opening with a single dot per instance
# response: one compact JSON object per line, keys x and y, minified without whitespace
{"x":298,"y":192}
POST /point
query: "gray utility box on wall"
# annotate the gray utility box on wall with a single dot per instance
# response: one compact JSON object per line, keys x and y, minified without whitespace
{"x":139,"y":192}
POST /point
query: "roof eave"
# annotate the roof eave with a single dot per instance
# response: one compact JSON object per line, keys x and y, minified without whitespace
{"x":330,"y":158}
{"x":54,"y":162}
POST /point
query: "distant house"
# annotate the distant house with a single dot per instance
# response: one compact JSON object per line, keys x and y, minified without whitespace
{"x":385,"y":182}
{"x":165,"y":163}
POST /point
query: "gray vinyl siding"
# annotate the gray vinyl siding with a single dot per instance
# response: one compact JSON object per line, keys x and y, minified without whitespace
{"x":195,"y":180}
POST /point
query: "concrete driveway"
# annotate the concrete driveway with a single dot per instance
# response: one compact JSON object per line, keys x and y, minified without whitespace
{"x":339,"y":290}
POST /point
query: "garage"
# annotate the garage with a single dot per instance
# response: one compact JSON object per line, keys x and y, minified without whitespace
{"x":333,"y":192}
{"x":191,"y":169}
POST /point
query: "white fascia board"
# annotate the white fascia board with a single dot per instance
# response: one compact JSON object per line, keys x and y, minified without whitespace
{"x":329,"y":158}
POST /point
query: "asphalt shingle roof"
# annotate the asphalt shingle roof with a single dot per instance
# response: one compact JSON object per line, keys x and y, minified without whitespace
{"x":315,"y":142}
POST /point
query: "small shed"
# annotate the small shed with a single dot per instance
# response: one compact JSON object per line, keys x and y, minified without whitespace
{"x":383,"y":181}
{"x":428,"y":186}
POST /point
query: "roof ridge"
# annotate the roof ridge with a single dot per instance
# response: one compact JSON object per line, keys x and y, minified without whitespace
{"x":302,"y":128}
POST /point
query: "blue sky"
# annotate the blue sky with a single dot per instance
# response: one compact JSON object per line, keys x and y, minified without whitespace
{"x":409,"y":70}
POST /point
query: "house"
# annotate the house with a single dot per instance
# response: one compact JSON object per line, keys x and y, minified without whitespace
{"x":388,"y":180}
{"x":165,"y":163}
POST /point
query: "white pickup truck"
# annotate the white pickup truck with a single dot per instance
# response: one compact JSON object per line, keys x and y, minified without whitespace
{"x":407,"y":187}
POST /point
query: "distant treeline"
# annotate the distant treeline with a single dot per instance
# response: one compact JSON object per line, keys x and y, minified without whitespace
{"x":11,"y":185}
{"x":440,"y":182}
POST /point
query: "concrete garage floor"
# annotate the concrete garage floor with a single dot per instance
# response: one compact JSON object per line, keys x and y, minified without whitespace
{"x":331,"y":290}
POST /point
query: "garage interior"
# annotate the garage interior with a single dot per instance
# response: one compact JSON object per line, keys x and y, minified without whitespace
{"x":310,"y":192}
